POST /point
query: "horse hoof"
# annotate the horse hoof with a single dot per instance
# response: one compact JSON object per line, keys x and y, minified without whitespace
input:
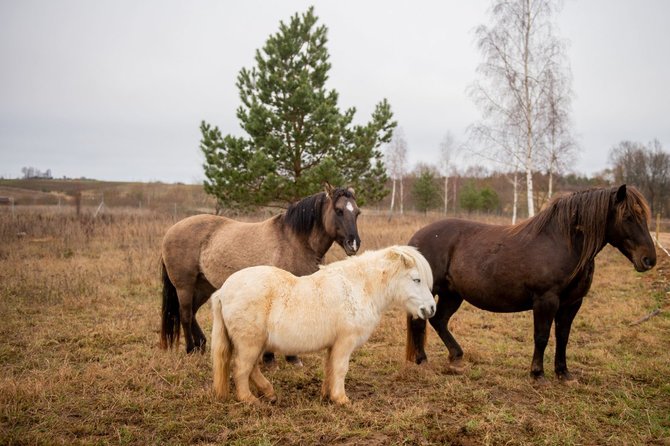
{"x":294,"y":361}
{"x":270,"y":366}
{"x":539,"y":379}
{"x":342,"y":401}
{"x":567,"y":378}
{"x":456,"y":367}
{"x":270,"y":398}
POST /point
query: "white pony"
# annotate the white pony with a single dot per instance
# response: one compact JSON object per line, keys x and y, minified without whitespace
{"x":336,"y":308}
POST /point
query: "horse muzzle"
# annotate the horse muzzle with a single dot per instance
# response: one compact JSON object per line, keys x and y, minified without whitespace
{"x":427,"y":312}
{"x":645,"y":263}
{"x":351,"y":246}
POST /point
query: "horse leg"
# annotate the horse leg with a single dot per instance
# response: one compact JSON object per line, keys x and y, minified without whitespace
{"x":264,"y":386}
{"x":269,"y":361}
{"x":544,"y":310}
{"x":199,"y":339}
{"x":294,"y":360}
{"x":339,"y":366}
{"x":327,"y":372}
{"x":187,"y":315}
{"x":416,"y":340}
{"x":447,"y":305}
{"x":564,"y":317}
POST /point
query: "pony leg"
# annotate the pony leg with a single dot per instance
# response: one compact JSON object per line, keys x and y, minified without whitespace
{"x":264,"y":386}
{"x":564,"y":318}
{"x":339,"y":366}
{"x":327,"y":375}
{"x":544,"y":310}
{"x":447,"y":305}
{"x":245,"y":361}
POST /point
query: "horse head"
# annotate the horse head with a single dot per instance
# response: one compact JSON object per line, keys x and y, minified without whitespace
{"x":414,"y":280}
{"x":627,"y":228}
{"x":340,"y":217}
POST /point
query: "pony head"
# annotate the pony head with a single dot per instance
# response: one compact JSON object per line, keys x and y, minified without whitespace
{"x":628,"y":230}
{"x":411,"y":281}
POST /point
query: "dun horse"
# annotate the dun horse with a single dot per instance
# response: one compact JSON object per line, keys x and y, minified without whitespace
{"x":200,"y":252}
{"x":544,"y":264}
{"x":336,"y":308}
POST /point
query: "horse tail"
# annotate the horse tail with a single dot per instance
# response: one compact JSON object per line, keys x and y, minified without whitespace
{"x":221,"y":350}
{"x":170,"y":322}
{"x":416,"y":338}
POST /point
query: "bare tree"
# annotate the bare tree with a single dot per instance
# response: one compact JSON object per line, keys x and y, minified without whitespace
{"x":501,"y":147}
{"x":519,"y":51}
{"x":448,"y":151}
{"x":396,"y":164}
{"x":559,"y":146}
{"x":647,"y":167}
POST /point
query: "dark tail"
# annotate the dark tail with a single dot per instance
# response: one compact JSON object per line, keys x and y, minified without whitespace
{"x":416,"y":340}
{"x":170,"y":324}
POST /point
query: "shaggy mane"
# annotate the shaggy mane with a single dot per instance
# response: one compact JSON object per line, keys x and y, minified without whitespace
{"x":305,"y":215}
{"x":584,"y":212}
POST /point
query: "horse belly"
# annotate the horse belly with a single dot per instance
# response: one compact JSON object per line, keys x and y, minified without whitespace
{"x":490,"y":291}
{"x":292,"y":337}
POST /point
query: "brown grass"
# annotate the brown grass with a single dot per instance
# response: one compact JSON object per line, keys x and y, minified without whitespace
{"x":80,"y":363}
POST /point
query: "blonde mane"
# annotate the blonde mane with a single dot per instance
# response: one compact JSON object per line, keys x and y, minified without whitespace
{"x":410,"y":254}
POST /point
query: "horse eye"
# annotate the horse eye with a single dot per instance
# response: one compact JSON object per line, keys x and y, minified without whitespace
{"x":417,"y":280}
{"x":339,"y":212}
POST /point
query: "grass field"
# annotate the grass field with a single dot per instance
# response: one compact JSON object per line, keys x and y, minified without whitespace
{"x":80,"y":362}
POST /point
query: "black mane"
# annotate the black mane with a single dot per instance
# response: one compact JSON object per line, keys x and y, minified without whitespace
{"x":305,"y":215}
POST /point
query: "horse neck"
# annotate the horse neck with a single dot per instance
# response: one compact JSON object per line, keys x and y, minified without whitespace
{"x":319,"y":242}
{"x":587,"y":242}
{"x":381,"y":296}
{"x":314,"y":244}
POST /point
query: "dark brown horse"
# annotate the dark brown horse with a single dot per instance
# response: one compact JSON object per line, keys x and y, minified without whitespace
{"x":200,"y":252}
{"x":544,"y":264}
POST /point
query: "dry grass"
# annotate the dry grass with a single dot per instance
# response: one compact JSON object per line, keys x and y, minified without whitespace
{"x":80,"y":362}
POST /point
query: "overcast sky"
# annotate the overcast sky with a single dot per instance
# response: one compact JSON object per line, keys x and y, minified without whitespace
{"x":116,"y":90}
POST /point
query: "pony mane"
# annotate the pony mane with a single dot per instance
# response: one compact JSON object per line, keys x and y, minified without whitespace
{"x":305,"y":215}
{"x":584,"y":212}
{"x":398,"y":251}
{"x":425,"y":271}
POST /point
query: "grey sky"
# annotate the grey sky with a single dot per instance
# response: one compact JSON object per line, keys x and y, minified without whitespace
{"x":116,"y":89}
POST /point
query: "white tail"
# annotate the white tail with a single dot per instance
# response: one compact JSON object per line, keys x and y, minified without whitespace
{"x":221,"y":351}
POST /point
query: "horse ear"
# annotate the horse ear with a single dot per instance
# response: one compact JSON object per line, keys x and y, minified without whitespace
{"x":328,"y":189}
{"x":620,"y":194}
{"x":351,"y":191}
{"x":396,"y":254}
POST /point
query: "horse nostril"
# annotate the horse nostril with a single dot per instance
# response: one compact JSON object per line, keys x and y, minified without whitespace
{"x":646,"y":261}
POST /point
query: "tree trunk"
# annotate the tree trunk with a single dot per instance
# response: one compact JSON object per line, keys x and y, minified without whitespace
{"x":402,"y":198}
{"x":392,"y":197}
{"x":515,"y":201}
{"x":528,"y":113}
{"x":446,"y":193}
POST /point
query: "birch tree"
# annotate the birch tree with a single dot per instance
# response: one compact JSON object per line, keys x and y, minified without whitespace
{"x":519,"y":51}
{"x":448,"y":151}
{"x":396,"y":164}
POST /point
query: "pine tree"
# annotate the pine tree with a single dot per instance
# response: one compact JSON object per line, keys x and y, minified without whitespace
{"x":297,"y":136}
{"x":425,"y":191}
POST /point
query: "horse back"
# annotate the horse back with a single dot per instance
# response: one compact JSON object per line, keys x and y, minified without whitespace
{"x":492,"y":267}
